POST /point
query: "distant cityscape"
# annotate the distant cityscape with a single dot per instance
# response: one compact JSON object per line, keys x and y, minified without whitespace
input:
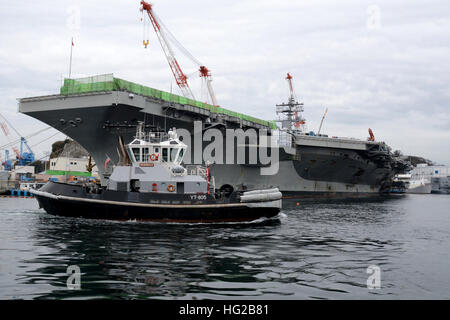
{"x":68,"y":162}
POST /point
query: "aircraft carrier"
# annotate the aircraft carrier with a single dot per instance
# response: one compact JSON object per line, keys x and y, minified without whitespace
{"x":101,"y":113}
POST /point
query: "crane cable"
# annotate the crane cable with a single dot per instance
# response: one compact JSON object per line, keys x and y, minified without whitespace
{"x":204,"y":91}
{"x":12,"y":143}
{"x":42,"y":141}
{"x":10,"y":125}
{"x":165,"y":33}
{"x":176,"y":42}
{"x":46,"y":139}
{"x":9,"y":144}
{"x":5,"y":146}
{"x":145,"y":31}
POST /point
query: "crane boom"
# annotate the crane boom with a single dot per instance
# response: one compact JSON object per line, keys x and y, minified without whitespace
{"x":291,"y":87}
{"x":206,"y":74}
{"x":321,"y":122}
{"x":372,"y":137}
{"x":165,"y":37}
{"x":180,"y":77}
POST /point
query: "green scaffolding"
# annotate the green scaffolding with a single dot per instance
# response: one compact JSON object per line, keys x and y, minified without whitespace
{"x":107,"y":82}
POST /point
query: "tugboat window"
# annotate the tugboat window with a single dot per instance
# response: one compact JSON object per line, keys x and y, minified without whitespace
{"x":137,"y":154}
{"x":180,"y":155}
{"x":165,"y":156}
{"x":145,"y":154}
{"x":173,"y":154}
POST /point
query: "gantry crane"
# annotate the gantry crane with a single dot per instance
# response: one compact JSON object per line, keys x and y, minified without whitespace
{"x":165,"y":38}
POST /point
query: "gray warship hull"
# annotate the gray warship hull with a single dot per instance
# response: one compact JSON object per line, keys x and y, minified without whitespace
{"x":440,"y":185}
{"x":308,"y":166}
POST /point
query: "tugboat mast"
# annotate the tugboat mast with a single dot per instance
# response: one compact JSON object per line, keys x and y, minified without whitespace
{"x":290,"y":113}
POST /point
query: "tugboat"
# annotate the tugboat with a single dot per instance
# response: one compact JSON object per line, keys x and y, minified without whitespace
{"x":150,"y":184}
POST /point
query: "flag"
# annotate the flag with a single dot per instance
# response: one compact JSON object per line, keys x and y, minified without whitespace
{"x":72,"y":43}
{"x":108,"y":160}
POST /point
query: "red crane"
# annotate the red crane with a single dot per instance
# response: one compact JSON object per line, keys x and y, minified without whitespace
{"x":206,"y":75}
{"x":298,"y":120}
{"x":164,"y":36}
{"x":291,"y":87}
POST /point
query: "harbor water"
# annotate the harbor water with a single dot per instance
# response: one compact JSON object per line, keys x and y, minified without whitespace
{"x":314,"y":250}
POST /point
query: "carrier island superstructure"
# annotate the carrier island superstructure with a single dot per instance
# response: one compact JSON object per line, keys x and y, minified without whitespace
{"x":101,"y":112}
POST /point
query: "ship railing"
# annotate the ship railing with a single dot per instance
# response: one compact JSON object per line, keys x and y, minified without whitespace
{"x":157,"y":136}
{"x":197,"y":170}
{"x":152,"y":137}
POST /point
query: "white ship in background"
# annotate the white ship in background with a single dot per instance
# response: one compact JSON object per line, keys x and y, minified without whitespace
{"x":425,"y":179}
{"x":419,"y":185}
{"x":439,"y":177}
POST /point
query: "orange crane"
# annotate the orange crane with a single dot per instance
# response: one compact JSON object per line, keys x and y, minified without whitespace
{"x":164,"y":36}
{"x":371,"y":135}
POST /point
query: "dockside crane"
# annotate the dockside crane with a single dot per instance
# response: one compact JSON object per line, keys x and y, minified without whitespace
{"x":24,"y":157}
{"x":7,"y":163}
{"x":165,"y":39}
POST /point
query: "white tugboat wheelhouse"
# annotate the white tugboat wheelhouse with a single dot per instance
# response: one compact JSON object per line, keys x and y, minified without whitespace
{"x":156,"y":147}
{"x":156,"y":159}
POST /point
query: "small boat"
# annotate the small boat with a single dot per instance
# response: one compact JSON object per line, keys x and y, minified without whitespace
{"x":150,"y":184}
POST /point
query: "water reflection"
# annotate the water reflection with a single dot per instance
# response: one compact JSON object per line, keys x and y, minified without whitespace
{"x":314,"y":250}
{"x":136,"y":259}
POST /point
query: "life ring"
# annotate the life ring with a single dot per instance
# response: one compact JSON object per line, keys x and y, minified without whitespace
{"x":153,"y":157}
{"x":171,"y":188}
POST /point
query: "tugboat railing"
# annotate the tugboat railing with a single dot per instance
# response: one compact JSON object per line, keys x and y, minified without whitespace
{"x":197,"y":170}
{"x":152,"y":137}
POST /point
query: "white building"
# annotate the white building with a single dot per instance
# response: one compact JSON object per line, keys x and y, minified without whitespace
{"x":18,"y":171}
{"x":423,"y":171}
{"x":71,"y":165}
{"x":24,"y":169}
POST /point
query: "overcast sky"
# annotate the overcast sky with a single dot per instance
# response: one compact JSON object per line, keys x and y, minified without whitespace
{"x":378,"y":64}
